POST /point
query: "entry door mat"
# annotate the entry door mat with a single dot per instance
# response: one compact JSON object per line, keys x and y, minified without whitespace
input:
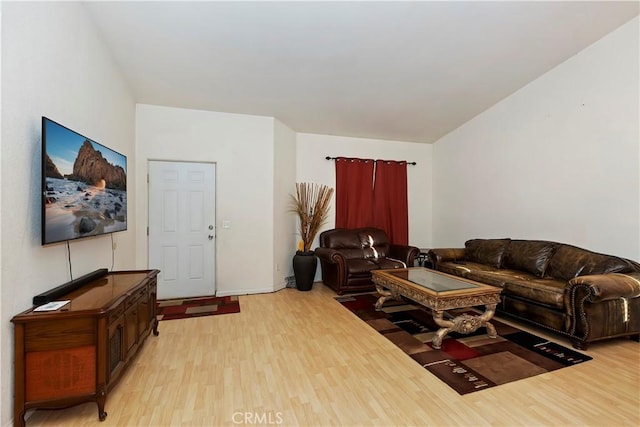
{"x":195,"y":307}
{"x":466,"y":363}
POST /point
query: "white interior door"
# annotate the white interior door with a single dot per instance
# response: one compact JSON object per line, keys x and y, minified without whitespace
{"x":182,"y":227}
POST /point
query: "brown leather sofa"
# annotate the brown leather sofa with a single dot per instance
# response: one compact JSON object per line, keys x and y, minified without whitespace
{"x":347,"y":257}
{"x":583,"y":295}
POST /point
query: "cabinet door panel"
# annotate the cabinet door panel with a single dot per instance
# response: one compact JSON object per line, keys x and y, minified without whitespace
{"x":144,"y":316}
{"x":61,"y":373}
{"x":116,"y":348}
{"x":131,"y":328}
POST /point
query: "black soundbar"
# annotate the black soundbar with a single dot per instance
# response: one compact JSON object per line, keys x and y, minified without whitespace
{"x":71,"y":286}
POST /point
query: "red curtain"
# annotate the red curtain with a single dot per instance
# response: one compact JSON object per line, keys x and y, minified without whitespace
{"x":390,"y":204}
{"x":354,"y":192}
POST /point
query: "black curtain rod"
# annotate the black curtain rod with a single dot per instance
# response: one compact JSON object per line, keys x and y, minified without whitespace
{"x":334,"y":158}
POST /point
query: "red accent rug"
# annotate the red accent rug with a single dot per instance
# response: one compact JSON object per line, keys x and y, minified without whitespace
{"x":194,"y":307}
{"x":466,"y":363}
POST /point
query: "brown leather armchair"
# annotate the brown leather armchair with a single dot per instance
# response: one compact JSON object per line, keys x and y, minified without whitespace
{"x":347,"y":257}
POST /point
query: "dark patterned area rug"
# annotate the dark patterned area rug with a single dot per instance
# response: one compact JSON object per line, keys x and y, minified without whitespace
{"x":466,"y":363}
{"x":195,"y":307}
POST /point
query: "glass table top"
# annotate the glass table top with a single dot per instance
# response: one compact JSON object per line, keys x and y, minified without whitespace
{"x":431,"y":280}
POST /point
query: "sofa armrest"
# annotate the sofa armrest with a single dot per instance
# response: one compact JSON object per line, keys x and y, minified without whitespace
{"x":603,"y":287}
{"x":599,"y":306}
{"x":406,"y":254}
{"x":440,"y":255}
{"x":329,"y":255}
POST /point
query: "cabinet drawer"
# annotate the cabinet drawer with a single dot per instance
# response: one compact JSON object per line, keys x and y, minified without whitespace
{"x":49,"y":335}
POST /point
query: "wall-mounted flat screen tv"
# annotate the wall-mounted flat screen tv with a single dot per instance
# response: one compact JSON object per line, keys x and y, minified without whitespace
{"x":84,"y":186}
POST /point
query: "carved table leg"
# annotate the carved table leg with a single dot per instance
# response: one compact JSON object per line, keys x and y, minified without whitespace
{"x":446,"y":326}
{"x":490,"y":310}
{"x":384,"y":295}
{"x":464,"y":324}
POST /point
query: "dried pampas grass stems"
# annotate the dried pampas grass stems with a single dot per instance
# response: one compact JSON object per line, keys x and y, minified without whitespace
{"x":311,"y":204}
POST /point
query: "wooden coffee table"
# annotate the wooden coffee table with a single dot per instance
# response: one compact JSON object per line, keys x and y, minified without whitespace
{"x":440,"y":292}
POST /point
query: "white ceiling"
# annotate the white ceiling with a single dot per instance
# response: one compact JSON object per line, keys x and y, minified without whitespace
{"x":408,"y":71}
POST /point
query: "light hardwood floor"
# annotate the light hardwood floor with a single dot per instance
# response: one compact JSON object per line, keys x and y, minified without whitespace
{"x":300,"y":358}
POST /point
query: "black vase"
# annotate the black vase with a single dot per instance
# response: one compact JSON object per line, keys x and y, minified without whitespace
{"x":304,"y":269}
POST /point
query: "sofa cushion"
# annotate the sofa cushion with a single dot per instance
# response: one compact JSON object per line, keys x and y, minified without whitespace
{"x":358,"y":243}
{"x":351,"y":253}
{"x":494,"y":276}
{"x":544,"y":291}
{"x":531,"y":256}
{"x":374,"y":242}
{"x":340,"y":238}
{"x":479,"y":272}
{"x":518,"y":283}
{"x":569,"y":261}
{"x":453,"y":268}
{"x":360,"y":266}
{"x":387,"y":263}
{"x":364,"y":266}
{"x":486,"y":251}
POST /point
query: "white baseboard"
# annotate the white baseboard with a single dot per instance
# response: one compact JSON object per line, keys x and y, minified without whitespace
{"x":245,"y":291}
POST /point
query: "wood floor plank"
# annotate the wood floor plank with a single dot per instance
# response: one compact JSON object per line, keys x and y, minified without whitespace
{"x":300,"y":358}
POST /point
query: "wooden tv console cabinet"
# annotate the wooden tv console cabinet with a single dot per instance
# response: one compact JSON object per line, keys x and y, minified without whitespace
{"x":77,"y":353}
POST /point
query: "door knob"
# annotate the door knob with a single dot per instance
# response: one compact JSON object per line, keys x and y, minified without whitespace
{"x":210,"y":237}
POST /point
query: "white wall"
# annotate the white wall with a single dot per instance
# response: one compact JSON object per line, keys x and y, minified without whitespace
{"x":311,"y":166}
{"x":557,"y":160}
{"x":284,"y":242}
{"x":53,"y":64}
{"x":4,"y":378}
{"x":242,"y":147}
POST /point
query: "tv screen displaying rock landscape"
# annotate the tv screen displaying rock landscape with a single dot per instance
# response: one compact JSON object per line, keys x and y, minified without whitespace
{"x":85,"y":186}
